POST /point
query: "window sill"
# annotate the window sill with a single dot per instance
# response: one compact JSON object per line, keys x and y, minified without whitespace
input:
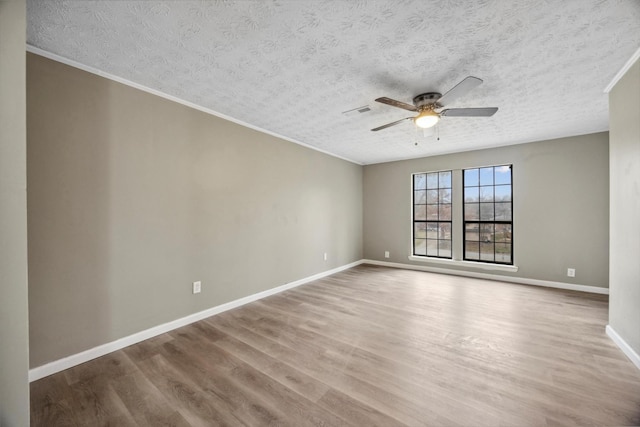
{"x":468,"y":264}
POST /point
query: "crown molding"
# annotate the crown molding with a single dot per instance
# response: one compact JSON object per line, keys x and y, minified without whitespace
{"x":623,"y":71}
{"x":92,"y":70}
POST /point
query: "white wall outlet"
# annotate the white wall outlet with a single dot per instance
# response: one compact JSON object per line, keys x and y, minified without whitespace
{"x":386,"y":254}
{"x":197,"y":287}
{"x":571,"y":272}
{"x":325,"y":256}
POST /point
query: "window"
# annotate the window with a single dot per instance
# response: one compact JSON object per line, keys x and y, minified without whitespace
{"x":432,"y":214}
{"x":487,"y":213}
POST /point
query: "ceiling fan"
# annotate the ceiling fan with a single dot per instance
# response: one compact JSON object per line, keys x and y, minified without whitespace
{"x":428,"y":104}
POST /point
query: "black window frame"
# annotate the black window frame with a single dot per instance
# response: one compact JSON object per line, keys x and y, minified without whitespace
{"x":427,"y":221}
{"x":481,"y":222}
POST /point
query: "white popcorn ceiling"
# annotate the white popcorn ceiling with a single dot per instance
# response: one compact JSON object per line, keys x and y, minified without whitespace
{"x":292,"y":67}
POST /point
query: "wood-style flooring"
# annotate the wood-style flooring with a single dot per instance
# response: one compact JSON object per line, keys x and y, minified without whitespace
{"x":368,"y":346}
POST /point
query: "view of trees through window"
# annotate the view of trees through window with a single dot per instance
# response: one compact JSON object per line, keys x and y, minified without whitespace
{"x":432,"y":214}
{"x":487,"y":214}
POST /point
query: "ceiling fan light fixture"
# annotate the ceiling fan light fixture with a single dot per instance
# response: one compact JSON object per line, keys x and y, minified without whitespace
{"x":427,"y":119}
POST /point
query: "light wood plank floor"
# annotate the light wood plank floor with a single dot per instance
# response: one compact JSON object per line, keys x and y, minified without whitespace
{"x":368,"y":346}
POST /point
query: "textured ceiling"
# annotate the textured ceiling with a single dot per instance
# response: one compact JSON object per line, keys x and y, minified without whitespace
{"x":293,"y":67}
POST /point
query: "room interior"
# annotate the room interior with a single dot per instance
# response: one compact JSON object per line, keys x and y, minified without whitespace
{"x":150,"y":146}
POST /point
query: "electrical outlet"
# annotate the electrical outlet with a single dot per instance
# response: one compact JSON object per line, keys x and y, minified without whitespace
{"x":386,"y":254}
{"x":571,"y":272}
{"x":325,"y":256}
{"x":197,"y":287}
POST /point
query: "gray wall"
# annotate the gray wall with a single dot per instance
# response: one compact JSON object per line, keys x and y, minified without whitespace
{"x":561,"y":189}
{"x":14,"y":344}
{"x":624,"y":279}
{"x":133,"y":197}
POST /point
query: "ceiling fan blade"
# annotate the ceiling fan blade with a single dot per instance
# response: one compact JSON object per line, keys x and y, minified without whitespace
{"x":390,"y":124}
{"x":460,"y":89}
{"x":395,"y":103}
{"x":469,"y":112}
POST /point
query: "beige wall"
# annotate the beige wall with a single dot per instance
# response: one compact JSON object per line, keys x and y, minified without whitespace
{"x":14,"y":344}
{"x":624,"y":279}
{"x":560,"y":195}
{"x":133,"y":197}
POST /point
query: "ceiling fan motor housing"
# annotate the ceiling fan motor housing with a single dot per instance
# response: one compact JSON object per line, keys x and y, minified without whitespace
{"x":425,"y":99}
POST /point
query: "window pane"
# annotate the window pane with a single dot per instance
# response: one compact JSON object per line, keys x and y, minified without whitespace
{"x":432,"y":212}
{"x":444,"y":248}
{"x":503,"y":233}
{"x":419,"y":181}
{"x":486,"y":251}
{"x":503,"y":252}
{"x":432,"y":180}
{"x":472,"y":194}
{"x":471,"y":177}
{"x":503,"y":211}
{"x":486,"y":211}
{"x":486,"y":176}
{"x":445,"y":196}
{"x":486,"y":233}
{"x":445,"y":179}
{"x":471,"y":250}
{"x":471,"y":211}
{"x":445,"y":212}
{"x":486,"y":194}
{"x":487,"y":201}
{"x":444,"y":230}
{"x":472,"y":232}
{"x":503,"y":175}
{"x":503,"y":193}
{"x":432,"y":248}
{"x":432,"y":230}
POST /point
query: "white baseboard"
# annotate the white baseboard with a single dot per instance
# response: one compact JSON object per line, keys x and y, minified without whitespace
{"x":76,"y":359}
{"x":478,"y":275}
{"x":626,"y":348}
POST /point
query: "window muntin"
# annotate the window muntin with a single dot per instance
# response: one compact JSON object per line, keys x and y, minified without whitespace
{"x":487,"y":213}
{"x":432,"y":214}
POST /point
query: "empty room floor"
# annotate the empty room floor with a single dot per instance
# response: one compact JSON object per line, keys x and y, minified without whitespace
{"x":367,"y":346}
